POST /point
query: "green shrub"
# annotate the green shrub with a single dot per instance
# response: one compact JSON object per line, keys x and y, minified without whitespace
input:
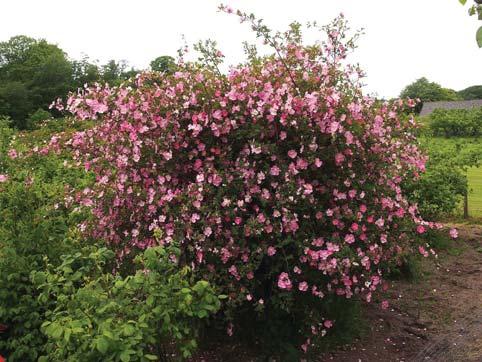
{"x":439,"y":190}
{"x":30,"y":228}
{"x":456,"y":122}
{"x":38,"y":116}
{"x":34,"y":224}
{"x":95,"y":315}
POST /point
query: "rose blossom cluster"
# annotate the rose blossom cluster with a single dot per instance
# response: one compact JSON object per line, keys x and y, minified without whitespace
{"x":278,"y":178}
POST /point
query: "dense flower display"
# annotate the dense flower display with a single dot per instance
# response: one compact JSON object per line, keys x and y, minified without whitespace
{"x":279,"y":178}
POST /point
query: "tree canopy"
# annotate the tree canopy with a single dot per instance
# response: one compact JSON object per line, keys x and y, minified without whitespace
{"x":474,"y":92}
{"x":428,"y":91}
{"x":33,"y":73}
{"x":163,"y":64}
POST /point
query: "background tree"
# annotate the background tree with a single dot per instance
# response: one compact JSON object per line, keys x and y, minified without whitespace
{"x":84,"y":72}
{"x":163,"y":63}
{"x":15,"y":102}
{"x":114,"y":72}
{"x":32,"y":74}
{"x":474,"y":92}
{"x":428,"y":91}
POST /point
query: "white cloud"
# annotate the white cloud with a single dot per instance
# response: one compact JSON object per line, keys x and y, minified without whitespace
{"x":403,"y":40}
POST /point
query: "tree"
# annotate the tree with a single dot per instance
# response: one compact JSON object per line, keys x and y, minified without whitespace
{"x":51,"y":74}
{"x":14,"y":50}
{"x":428,"y":91}
{"x":474,"y":92}
{"x":15,"y":102}
{"x":32,"y":74}
{"x":84,"y":72}
{"x":114,"y":72}
{"x":163,"y":63}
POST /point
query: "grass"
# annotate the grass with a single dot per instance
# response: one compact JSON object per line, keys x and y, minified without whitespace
{"x":475,"y":191}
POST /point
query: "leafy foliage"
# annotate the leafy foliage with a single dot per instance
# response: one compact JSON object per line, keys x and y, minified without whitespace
{"x":474,"y":92}
{"x":32,"y":73}
{"x":456,"y":122}
{"x":163,"y":64}
{"x":95,"y":315}
{"x":33,"y":225}
{"x":476,"y":8}
{"x":441,"y":188}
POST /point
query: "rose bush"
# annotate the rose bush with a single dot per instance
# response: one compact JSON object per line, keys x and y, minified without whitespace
{"x":280,"y":180}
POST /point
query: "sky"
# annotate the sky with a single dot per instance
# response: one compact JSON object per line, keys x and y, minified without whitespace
{"x":403,"y":39}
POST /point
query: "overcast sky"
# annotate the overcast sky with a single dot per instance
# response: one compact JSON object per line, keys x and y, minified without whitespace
{"x":404,"y":40}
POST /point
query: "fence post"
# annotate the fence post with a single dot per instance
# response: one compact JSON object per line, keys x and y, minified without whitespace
{"x":466,"y":206}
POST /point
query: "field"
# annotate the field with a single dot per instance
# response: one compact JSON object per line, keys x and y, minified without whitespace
{"x":475,"y":191}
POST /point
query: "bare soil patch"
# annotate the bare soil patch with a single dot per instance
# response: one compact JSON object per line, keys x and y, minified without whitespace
{"x":438,"y":318}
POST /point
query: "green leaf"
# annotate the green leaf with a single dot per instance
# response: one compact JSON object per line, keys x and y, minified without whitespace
{"x":56,"y":331}
{"x":463,"y":2}
{"x":479,"y":37}
{"x":67,"y":334}
{"x":108,"y":334}
{"x":150,"y":357}
{"x":125,"y":356}
{"x":102,"y":345}
{"x":129,"y":330}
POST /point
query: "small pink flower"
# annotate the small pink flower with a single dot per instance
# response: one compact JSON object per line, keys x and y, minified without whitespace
{"x":454,"y":234}
{"x":385,"y":304}
{"x":422,"y":251}
{"x":339,"y":158}
{"x":349,"y":238}
{"x":420,"y":229}
{"x":3,"y":178}
{"x":271,"y":251}
{"x":208,"y":231}
{"x":380,"y":222}
{"x":274,"y":171}
{"x":292,"y":153}
{"x":303,"y":286}
{"x":12,"y":154}
{"x":284,"y":281}
{"x":328,"y":323}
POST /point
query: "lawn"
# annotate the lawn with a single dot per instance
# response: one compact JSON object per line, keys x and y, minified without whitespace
{"x":475,"y":194}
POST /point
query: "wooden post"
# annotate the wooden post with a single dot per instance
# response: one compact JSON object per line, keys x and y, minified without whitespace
{"x":466,"y":205}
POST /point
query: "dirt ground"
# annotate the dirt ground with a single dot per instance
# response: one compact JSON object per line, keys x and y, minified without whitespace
{"x":438,"y":318}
